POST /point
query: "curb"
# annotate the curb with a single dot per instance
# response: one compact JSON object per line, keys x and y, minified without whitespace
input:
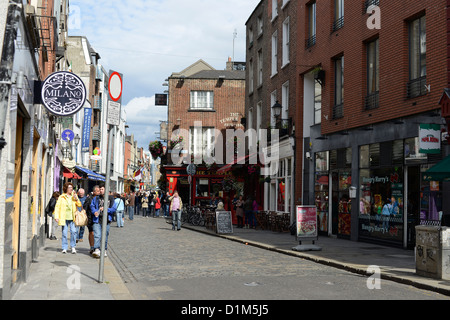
{"x":330,"y":262}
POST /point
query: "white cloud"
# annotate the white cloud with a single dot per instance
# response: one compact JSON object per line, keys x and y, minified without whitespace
{"x":147,"y":40}
{"x":143,"y":118}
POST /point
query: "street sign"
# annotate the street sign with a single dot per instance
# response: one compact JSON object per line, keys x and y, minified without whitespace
{"x":115,"y":88}
{"x":63,"y":93}
{"x":191,"y":169}
{"x":68,"y":135}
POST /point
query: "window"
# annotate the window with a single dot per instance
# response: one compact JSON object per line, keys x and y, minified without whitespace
{"x":285,"y":100}
{"x":338,"y":14}
{"x":250,"y":36}
{"x":373,"y":75}
{"x":285,"y":2}
{"x":317,"y":102}
{"x":274,"y":53}
{"x":250,"y":77}
{"x":338,"y":111}
{"x":202,"y":100}
{"x":201,"y":140}
{"x":260,"y":25}
{"x":311,"y":39}
{"x":258,"y":115}
{"x":417,"y":58}
{"x":274,"y":9}
{"x":250,"y":119}
{"x":273,"y":100}
{"x":260,"y":67}
{"x":286,"y":42}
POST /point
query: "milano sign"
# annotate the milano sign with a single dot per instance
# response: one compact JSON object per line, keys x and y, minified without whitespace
{"x":63,"y":93}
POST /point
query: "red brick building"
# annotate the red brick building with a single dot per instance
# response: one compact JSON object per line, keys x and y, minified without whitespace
{"x":380,"y":78}
{"x":368,"y":79}
{"x":202,"y":101}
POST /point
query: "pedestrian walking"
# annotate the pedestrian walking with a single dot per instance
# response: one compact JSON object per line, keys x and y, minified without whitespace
{"x":49,"y":210}
{"x":176,"y":205}
{"x":151,"y":203}
{"x":240,"y":212}
{"x":131,"y":204}
{"x":87,"y":207}
{"x":120,"y":208}
{"x":248,"y":212}
{"x":82,"y":197}
{"x":98,"y":209}
{"x":166,"y":204}
{"x":144,"y":204}
{"x":157,"y":205}
{"x":65,"y":210}
{"x":138,"y":202}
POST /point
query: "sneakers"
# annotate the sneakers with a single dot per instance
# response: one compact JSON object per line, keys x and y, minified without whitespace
{"x":74,"y":251}
{"x":64,"y":251}
{"x":96,"y":253}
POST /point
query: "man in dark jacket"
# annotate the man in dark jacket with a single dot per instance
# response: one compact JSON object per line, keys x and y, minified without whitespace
{"x":87,"y":207}
{"x":97,"y":209}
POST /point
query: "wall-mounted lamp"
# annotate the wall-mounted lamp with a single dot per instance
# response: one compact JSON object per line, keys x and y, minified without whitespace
{"x":276,"y":108}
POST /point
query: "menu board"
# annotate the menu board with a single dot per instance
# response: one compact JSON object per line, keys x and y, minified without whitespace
{"x":306,"y":222}
{"x":224,"y":222}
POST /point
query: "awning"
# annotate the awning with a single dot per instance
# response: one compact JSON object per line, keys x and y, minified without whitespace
{"x":439,"y":172}
{"x":91,"y":175}
{"x":69,"y":174}
{"x":228,"y":166}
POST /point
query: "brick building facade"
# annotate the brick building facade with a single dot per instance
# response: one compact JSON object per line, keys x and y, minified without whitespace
{"x":366,"y":77}
{"x":202,"y":101}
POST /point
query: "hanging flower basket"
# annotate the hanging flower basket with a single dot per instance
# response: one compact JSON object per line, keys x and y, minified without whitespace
{"x":156,"y":149}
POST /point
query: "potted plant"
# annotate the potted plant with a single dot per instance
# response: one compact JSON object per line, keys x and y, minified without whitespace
{"x":156,"y":149}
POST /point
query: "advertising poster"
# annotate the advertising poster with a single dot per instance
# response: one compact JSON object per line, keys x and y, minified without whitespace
{"x":306,"y":222}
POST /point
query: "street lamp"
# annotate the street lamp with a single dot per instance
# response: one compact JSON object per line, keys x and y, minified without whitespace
{"x":277,"y":107}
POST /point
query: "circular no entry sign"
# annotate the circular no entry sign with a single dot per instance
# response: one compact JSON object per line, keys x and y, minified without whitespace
{"x":115,"y":86}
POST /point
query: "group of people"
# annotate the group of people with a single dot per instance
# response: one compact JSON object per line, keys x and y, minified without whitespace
{"x":246,"y":212}
{"x":64,"y":207}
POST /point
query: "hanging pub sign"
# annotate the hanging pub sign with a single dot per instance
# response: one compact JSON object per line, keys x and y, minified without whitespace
{"x":63,"y":93}
{"x":430,"y":138}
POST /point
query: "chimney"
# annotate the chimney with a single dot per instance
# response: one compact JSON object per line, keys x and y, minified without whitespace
{"x":229,"y":64}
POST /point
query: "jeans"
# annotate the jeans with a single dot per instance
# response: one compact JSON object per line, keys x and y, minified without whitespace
{"x":131,"y":212}
{"x":70,"y":225}
{"x":80,"y":232}
{"x":176,"y":219}
{"x":119,"y":218}
{"x":250,"y":218}
{"x":98,"y":235}
{"x":157,"y":212}
{"x":166,"y":210}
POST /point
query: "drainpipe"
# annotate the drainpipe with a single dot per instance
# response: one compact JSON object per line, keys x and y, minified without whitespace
{"x":7,"y":61}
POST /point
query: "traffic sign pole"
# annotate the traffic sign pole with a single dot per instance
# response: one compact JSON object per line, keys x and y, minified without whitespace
{"x":115,"y":88}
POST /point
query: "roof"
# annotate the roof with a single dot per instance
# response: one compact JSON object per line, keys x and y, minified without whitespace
{"x":215,"y":74}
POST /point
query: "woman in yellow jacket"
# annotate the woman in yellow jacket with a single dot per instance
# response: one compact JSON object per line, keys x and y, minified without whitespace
{"x":65,"y":210}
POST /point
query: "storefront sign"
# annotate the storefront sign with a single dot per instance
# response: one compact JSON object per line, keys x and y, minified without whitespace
{"x":306,"y":222}
{"x":430,"y":138}
{"x":63,"y":93}
{"x":224,"y":222}
{"x":86,"y":130}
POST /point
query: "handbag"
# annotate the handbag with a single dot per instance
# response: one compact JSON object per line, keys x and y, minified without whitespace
{"x":81,"y":218}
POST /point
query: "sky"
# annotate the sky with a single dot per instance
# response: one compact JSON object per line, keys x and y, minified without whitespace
{"x":148,"y":40}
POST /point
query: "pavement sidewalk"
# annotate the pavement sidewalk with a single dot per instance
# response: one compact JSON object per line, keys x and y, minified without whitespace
{"x":58,"y":276}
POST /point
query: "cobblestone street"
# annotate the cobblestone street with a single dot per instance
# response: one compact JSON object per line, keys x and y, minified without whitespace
{"x":158,"y":263}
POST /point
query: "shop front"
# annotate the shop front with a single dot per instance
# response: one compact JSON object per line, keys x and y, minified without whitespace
{"x":370,"y":188}
{"x":207,"y":184}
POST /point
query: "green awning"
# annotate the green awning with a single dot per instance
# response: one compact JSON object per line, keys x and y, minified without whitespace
{"x":439,"y":172}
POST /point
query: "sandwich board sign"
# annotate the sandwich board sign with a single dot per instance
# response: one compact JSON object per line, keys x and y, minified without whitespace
{"x":115,"y":88}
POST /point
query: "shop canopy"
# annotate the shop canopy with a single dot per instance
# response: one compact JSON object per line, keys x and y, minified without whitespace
{"x":439,"y":172}
{"x":69,"y":174}
{"x":91,"y":175}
